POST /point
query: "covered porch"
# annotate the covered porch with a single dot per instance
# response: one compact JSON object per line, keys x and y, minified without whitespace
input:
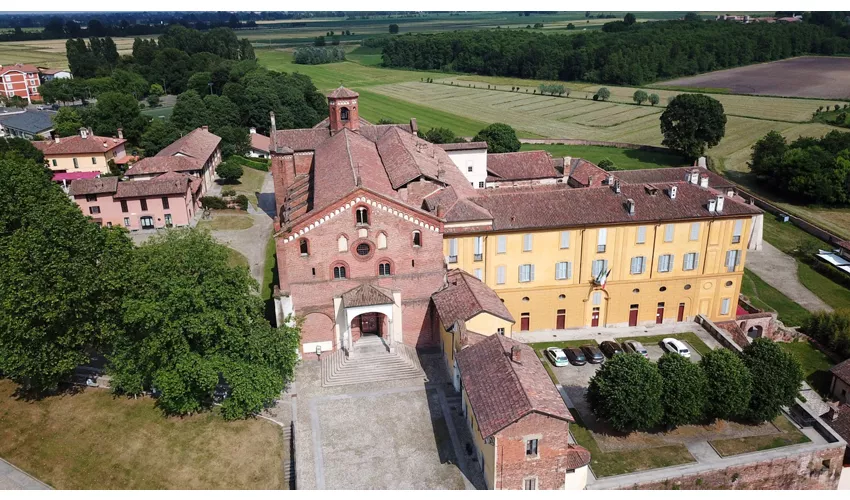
{"x":368,"y":311}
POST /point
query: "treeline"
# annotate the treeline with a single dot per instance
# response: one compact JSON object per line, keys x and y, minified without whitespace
{"x":319,"y":55}
{"x":644,"y":52}
{"x":809,"y":170}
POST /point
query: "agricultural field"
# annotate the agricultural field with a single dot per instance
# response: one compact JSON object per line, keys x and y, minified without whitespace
{"x":624,"y":159}
{"x":47,"y":53}
{"x":822,"y":77}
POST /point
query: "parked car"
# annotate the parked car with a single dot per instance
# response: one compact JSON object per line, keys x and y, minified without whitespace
{"x":610,"y":348}
{"x":557,"y":356}
{"x":575,"y":356}
{"x":674,"y":345}
{"x":592,"y":353}
{"x":635,"y":347}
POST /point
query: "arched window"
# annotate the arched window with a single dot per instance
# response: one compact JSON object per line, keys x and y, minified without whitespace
{"x":342,"y":243}
{"x":343,"y":114}
{"x":382,"y":240}
{"x":384,"y":269}
{"x":362,"y":215}
{"x":340,"y":272}
{"x":305,"y":249}
{"x":417,"y":239}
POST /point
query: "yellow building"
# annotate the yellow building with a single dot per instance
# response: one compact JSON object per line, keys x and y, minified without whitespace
{"x":613,"y":255}
{"x":85,"y":152}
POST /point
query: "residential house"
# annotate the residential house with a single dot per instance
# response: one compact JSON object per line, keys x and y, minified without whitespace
{"x":840,"y":386}
{"x":48,"y":74}
{"x":27,"y":125}
{"x":196,"y":153}
{"x":471,"y":159}
{"x":84,"y":152}
{"x":259,"y":145}
{"x":20,"y":80}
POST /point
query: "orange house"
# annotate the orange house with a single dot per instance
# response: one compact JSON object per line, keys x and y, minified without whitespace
{"x":20,"y":80}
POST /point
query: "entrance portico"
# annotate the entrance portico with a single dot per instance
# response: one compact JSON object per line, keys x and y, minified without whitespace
{"x":374,"y":304}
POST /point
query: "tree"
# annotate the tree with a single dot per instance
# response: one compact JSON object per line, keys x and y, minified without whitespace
{"x":767,"y":154}
{"x":654,"y":99}
{"x":640,"y":97}
{"x":626,"y":392}
{"x":776,"y":375}
{"x":607,"y":164}
{"x":22,"y":148}
{"x":831,"y":329}
{"x":67,"y":122}
{"x":193,"y":321}
{"x":189,"y":111}
{"x":159,"y":134}
{"x":115,"y":110}
{"x":729,"y":384}
{"x":156,"y":89}
{"x":229,"y":172}
{"x":153,"y":100}
{"x":684,"y":389}
{"x":200,"y":83}
{"x":691,"y":123}
{"x":629,"y":19}
{"x":319,"y":41}
{"x":603,"y":93}
{"x":234,"y":140}
{"x":393,"y":29}
{"x":440,"y":135}
{"x":61,"y":278}
{"x":500,"y":138}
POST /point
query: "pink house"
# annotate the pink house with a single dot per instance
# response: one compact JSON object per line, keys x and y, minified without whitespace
{"x":169,"y":200}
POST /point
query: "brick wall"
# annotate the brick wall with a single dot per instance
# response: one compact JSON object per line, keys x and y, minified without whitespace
{"x":513,"y":466}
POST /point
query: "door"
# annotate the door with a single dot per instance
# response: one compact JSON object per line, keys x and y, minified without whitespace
{"x":594,"y":318}
{"x":562,"y":319}
{"x":524,"y":322}
{"x":147,"y":222}
{"x":681,"y":316}
{"x":368,"y":324}
{"x":659,"y":313}
{"x":633,"y":315}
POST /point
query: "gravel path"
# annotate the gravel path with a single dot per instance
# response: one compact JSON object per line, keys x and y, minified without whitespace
{"x":779,"y":270}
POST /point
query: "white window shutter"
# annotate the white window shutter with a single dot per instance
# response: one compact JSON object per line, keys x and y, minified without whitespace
{"x":569,"y":270}
{"x":565,"y":239}
{"x":532,"y":273}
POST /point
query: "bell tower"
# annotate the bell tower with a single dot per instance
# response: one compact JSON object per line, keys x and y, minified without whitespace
{"x":342,"y":110}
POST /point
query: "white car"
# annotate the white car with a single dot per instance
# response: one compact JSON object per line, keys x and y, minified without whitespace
{"x":674,"y":345}
{"x":557,"y":356}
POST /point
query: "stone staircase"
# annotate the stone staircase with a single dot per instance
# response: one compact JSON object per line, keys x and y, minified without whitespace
{"x":370,"y":361}
{"x":289,"y":465}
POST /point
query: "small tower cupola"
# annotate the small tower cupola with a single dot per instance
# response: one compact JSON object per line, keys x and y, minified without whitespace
{"x":342,"y":110}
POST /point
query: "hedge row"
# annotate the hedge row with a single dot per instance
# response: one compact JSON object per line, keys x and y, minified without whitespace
{"x":255,"y":163}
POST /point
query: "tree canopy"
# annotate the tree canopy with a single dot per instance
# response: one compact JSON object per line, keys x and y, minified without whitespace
{"x":626,"y":392}
{"x":729,"y":384}
{"x":776,"y":376}
{"x":500,"y":138}
{"x":67,"y":122}
{"x":684,"y":389}
{"x":440,"y":135}
{"x":691,"y":123}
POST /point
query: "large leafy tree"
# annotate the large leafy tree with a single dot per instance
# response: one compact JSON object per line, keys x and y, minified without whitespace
{"x":189,"y":112}
{"x":693,"y":122}
{"x":191,"y":322}
{"x":21,"y":147}
{"x":626,"y":392}
{"x":61,"y":282}
{"x":440,"y":135}
{"x":67,"y":122}
{"x":159,"y":134}
{"x":776,"y":378}
{"x":115,"y":110}
{"x":500,"y":138}
{"x":684,"y":390}
{"x":729,"y":384}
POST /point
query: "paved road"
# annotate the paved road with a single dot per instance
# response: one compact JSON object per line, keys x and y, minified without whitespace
{"x":779,"y":270}
{"x":13,"y":478}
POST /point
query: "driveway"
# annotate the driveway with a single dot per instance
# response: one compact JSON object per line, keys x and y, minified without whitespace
{"x":779,"y":270}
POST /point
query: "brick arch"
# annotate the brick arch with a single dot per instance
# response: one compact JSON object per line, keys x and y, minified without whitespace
{"x":340,"y":263}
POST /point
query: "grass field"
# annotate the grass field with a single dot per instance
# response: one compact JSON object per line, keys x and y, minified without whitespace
{"x":768,"y":298}
{"x":815,"y":364}
{"x":48,"y":53}
{"x":96,"y":440}
{"x":624,"y":159}
{"x":787,"y":436}
{"x":236,"y":259}
{"x":160,"y":112}
{"x":225,"y":222}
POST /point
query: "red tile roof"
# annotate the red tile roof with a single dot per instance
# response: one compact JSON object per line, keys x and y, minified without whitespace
{"x":199,"y":145}
{"x":92,"y":144}
{"x":162,"y":164}
{"x":672,"y":174}
{"x":125,"y":159}
{"x":407,"y":158}
{"x":302,"y":139}
{"x":168,"y":184}
{"x":580,"y":172}
{"x":841,"y":424}
{"x":25,"y":68}
{"x":522,"y":165}
{"x":842,"y":371}
{"x":502,"y":391}
{"x":343,"y":93}
{"x":366,"y":295}
{"x":462,"y":146}
{"x":465,"y":297}
{"x":99,"y":185}
{"x":260,"y":142}
{"x":576,"y":457}
{"x":70,"y":176}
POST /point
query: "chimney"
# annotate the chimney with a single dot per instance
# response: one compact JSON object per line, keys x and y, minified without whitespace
{"x":630,"y":203}
{"x":567,"y":161}
{"x":712,"y":205}
{"x":516,"y":354}
{"x":703,"y":181}
{"x":673,"y":190}
{"x":610,"y":179}
{"x":701,"y":162}
{"x":720,"y":200}
{"x":252,"y":130}
{"x":414,"y":127}
{"x":84,"y":133}
{"x":441,"y":212}
{"x":56,"y":139}
{"x":271,"y":119}
{"x":205,"y":127}
{"x":617,"y":186}
{"x":120,"y":133}
{"x":730,"y":192}
{"x":694,"y":177}
{"x":590,"y":181}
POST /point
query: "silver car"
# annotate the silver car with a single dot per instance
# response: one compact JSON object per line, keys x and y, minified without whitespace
{"x":557,"y":356}
{"x":636,"y":347}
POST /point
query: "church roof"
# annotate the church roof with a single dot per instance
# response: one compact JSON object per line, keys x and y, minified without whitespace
{"x":366,"y":295}
{"x":343,"y":93}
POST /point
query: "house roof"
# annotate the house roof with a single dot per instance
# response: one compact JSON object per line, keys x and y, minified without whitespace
{"x":842,"y":371}
{"x":580,"y":172}
{"x":502,"y":391}
{"x":841,"y":424}
{"x":406,"y":158}
{"x":76,"y":145}
{"x":302,"y":139}
{"x":672,"y":174}
{"x":33,"y":122}
{"x":168,"y":184}
{"x":521,"y":165}
{"x":71,"y":176}
{"x":99,"y":185}
{"x":463,"y":146}
{"x":465,"y":297}
{"x":260,"y":142}
{"x":24,"y":68}
{"x":343,"y":93}
{"x":199,"y":145}
{"x":162,"y":164}
{"x":53,"y":71}
{"x":366,"y":295}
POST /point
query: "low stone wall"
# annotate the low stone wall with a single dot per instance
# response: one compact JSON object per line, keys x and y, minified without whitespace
{"x":719,"y":334}
{"x":584,"y":142}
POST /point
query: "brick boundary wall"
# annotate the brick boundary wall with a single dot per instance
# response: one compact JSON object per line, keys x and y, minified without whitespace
{"x":718,"y":333}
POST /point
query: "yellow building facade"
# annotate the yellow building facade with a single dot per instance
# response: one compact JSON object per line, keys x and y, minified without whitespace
{"x":657,"y":273}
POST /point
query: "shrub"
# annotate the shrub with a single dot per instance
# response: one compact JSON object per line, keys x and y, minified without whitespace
{"x":776,"y":376}
{"x":242,"y":200}
{"x":228,"y":192}
{"x":626,"y":391}
{"x":729,"y":384}
{"x":213,"y":202}
{"x":832,"y":329}
{"x":607,"y":164}
{"x":229,"y":172}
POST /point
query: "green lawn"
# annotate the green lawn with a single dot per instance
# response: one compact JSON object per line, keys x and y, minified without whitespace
{"x":269,"y":270}
{"x":222,"y":221}
{"x":691,"y":338}
{"x":815,"y":364}
{"x":789,"y":435}
{"x":829,"y":291}
{"x":375,"y":106}
{"x":249,"y":184}
{"x":788,"y":237}
{"x":768,"y":298}
{"x":236,"y":259}
{"x":162,"y":111}
{"x":624,"y":159}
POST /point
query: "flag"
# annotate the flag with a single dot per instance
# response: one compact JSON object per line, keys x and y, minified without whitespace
{"x":603,"y":278}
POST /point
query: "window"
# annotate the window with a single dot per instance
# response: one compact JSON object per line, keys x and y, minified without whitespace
{"x":526,"y":242}
{"x":340,"y":272}
{"x":76,"y":165}
{"x":478,"y":250}
{"x":665,"y":263}
{"x":733,"y":259}
{"x":382,"y":240}
{"x":694,"y":235}
{"x":601,"y":240}
{"x":641,"y":235}
{"x":147,"y":222}
{"x":362,"y":215}
{"x":453,"y":250}
{"x":108,"y":224}
{"x":638,"y":265}
{"x":501,"y":244}
{"x":126,"y":222}
{"x":736,"y":232}
{"x":469,"y":168}
{"x":165,"y":203}
{"x":478,"y":273}
{"x":691,"y":261}
{"x":91,"y":197}
{"x":597,"y":298}
{"x":598,"y":267}
{"x":500,"y":275}
{"x":526,"y":273}
{"x":93,"y":160}
{"x":54,"y":162}
{"x":124,"y":206}
{"x":500,"y":331}
{"x":529,"y":483}
{"x":343,"y":114}
{"x":668,"y":232}
{"x":305,"y":247}
{"x":563,"y":270}
{"x":417,"y":239}
{"x":363,"y":249}
{"x":144,"y":204}
{"x":94,"y":210}
{"x":480,"y":184}
{"x":565,"y":239}
{"x":725,"y":305}
{"x":342,"y":243}
{"x":384,"y":269}
{"x":531,"y":448}
{"x":168,"y":222}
